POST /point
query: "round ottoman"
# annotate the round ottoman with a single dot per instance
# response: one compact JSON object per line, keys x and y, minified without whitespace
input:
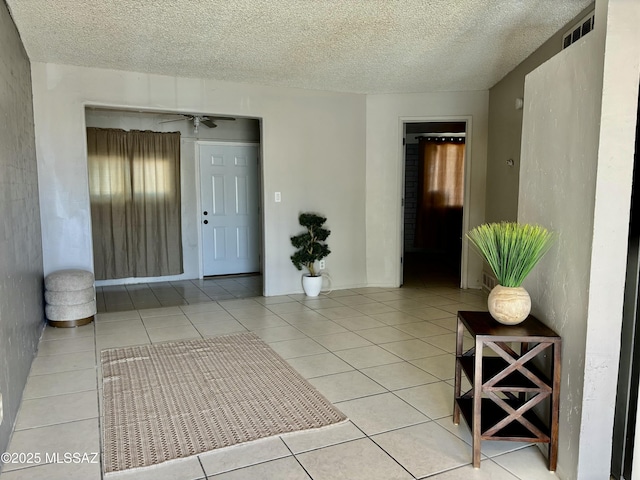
{"x":70,"y":298}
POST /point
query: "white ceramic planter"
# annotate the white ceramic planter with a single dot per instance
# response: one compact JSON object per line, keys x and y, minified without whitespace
{"x":311,"y":285}
{"x":509,"y":305}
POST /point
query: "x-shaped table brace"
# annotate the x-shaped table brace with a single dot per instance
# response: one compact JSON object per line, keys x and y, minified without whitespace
{"x":516,"y":363}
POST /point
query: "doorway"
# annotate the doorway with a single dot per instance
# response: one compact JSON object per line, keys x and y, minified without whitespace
{"x":230,"y":207}
{"x":434,"y":182}
{"x":210,"y":128}
{"x":625,"y":420}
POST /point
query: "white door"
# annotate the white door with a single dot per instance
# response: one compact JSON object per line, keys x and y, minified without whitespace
{"x":230,"y":209}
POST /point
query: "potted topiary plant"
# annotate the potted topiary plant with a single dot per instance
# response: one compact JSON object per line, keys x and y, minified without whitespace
{"x":511,"y":250}
{"x":311,"y":248}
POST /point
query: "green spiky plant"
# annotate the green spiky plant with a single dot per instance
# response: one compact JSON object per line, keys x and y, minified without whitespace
{"x":310,"y":243}
{"x":511,"y":249}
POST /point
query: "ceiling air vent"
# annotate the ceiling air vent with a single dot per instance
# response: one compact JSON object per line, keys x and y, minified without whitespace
{"x":579,"y":30}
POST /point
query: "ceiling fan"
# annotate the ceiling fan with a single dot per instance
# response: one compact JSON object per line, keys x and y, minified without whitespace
{"x":206,"y":120}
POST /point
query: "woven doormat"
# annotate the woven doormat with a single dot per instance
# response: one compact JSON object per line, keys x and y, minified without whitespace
{"x":173,"y":400}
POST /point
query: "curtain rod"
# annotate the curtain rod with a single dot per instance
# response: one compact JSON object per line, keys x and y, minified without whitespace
{"x":460,"y":134}
{"x":442,"y":139}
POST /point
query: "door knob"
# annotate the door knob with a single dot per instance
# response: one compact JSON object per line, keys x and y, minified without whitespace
{"x":205,"y":222}
{"x":205,"y":212}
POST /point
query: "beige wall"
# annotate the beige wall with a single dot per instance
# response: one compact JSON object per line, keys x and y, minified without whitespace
{"x":577,"y":162}
{"x":385,"y":117}
{"x":313,"y":152}
{"x":21,"y":297}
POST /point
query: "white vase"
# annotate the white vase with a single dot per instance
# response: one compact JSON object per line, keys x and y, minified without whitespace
{"x":311,"y":285}
{"x":509,"y":305}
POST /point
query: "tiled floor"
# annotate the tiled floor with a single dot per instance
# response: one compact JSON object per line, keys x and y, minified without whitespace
{"x":382,"y":356}
{"x":170,"y":294}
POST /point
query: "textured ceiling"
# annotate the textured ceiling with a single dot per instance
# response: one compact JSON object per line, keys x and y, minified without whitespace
{"x":364,"y":46}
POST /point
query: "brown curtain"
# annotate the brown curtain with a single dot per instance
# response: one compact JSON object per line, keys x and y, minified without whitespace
{"x":134,"y":185}
{"x":440,"y":193}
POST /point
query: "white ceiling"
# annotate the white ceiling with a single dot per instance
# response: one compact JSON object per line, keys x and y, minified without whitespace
{"x":363,"y":46}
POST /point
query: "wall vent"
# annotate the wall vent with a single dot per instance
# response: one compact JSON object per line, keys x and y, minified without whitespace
{"x":488,"y":281}
{"x":579,"y":30}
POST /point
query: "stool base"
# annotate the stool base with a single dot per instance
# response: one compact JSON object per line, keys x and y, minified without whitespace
{"x":70,"y":323}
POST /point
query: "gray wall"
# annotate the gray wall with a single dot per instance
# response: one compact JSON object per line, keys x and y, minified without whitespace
{"x":558,"y":191}
{"x":505,"y":132}
{"x":21,"y":298}
{"x":577,"y":167}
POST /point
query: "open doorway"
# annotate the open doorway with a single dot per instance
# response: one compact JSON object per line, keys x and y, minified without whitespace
{"x":193,"y":129}
{"x":434,"y":182}
{"x":627,"y":396}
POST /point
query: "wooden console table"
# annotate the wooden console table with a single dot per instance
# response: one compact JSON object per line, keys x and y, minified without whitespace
{"x":506,"y":386}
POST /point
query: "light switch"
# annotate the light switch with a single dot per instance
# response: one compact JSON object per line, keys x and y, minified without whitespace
{"x":278,"y":197}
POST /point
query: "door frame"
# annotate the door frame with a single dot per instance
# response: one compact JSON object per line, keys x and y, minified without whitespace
{"x":200,"y":143}
{"x":464,"y":254}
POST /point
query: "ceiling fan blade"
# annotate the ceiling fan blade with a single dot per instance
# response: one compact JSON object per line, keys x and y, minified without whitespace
{"x":208,"y":122}
{"x":176,"y":120}
{"x":214,"y":118}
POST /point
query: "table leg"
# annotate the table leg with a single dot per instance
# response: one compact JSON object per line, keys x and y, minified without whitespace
{"x":477,"y":404}
{"x":555,"y":407}
{"x":458,"y":376}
